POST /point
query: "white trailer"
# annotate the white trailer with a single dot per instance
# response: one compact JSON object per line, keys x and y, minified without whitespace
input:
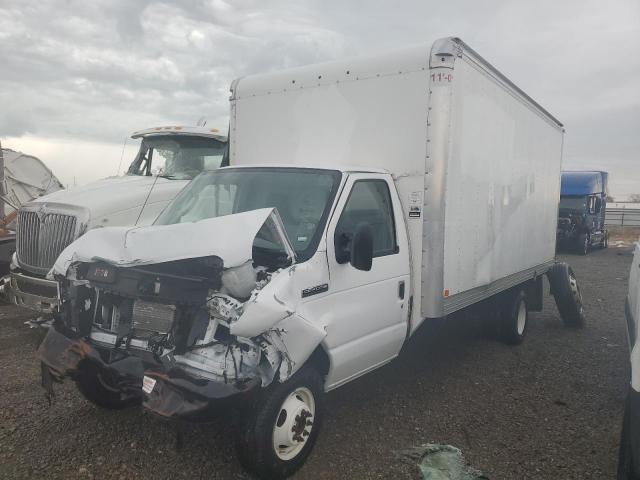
{"x":365,"y":196}
{"x":475,"y":160}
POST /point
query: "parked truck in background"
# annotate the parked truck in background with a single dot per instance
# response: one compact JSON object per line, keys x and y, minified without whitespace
{"x":581,"y":218}
{"x":370,"y":196}
{"x":168,"y":158}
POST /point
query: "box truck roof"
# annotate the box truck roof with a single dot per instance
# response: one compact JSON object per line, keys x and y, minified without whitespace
{"x":339,"y":168}
{"x":409,"y":59}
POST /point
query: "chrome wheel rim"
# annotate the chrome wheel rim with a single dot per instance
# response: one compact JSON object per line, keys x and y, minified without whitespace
{"x":294,"y":423}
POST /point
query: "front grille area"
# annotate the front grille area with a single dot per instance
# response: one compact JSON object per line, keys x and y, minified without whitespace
{"x":152,"y":317}
{"x":39,"y":241}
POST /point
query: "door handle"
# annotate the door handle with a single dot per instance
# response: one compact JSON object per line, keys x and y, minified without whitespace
{"x":401,"y":289}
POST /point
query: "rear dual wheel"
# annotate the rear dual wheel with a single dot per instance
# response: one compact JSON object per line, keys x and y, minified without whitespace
{"x":514,"y":317}
{"x":567,"y":294}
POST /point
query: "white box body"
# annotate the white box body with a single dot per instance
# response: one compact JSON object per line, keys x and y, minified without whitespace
{"x":475,"y":160}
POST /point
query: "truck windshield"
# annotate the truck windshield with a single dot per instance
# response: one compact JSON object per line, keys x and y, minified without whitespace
{"x":576,"y":203}
{"x":179,"y":157}
{"x":302,"y":196}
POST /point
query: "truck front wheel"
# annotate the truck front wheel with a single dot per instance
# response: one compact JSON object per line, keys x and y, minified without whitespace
{"x":278,"y":431}
{"x":514,"y":318}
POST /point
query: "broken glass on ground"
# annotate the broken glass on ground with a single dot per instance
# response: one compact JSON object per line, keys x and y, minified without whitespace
{"x":443,"y":462}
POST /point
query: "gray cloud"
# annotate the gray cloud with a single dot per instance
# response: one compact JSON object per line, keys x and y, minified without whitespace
{"x":97,"y":70}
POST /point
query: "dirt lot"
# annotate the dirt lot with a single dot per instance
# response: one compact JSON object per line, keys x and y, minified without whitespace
{"x":549,"y":409}
{"x":626,"y":235}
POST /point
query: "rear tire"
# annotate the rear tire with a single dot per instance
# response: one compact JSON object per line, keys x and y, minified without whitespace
{"x":277,"y":432}
{"x":605,"y":240}
{"x":565,"y":290}
{"x":99,"y":389}
{"x":514,"y":318}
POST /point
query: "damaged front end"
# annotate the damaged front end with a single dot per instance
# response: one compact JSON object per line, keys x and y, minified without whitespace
{"x":179,"y":317}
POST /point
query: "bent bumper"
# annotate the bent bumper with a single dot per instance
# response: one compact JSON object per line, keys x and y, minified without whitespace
{"x":176,"y":394}
{"x":63,"y":356}
{"x":35,"y":293}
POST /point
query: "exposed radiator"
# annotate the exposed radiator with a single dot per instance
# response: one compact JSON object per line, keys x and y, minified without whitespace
{"x":152,"y":317}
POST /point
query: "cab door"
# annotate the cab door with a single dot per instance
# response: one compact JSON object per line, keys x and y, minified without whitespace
{"x":369,"y":309}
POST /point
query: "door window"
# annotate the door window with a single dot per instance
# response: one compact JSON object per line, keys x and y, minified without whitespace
{"x":369,"y":202}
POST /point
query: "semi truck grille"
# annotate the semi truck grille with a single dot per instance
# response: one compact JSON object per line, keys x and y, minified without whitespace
{"x":40,"y":240}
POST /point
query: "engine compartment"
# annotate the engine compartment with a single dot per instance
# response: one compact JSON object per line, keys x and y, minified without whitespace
{"x":176,"y":313}
{"x":180,"y":326}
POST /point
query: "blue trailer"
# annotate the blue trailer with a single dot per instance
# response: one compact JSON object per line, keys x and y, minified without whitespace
{"x":583,"y":199}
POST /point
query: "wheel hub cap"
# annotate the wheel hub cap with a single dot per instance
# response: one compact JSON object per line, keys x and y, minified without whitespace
{"x":294,"y":423}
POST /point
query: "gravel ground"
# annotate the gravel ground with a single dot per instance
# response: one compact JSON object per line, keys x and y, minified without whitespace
{"x":548,"y":409}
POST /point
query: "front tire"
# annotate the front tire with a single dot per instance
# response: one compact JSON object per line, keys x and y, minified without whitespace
{"x":277,"y":433}
{"x":514,"y":318}
{"x":96,"y":386}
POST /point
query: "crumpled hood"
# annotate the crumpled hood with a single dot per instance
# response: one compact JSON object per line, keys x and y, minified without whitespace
{"x":115,"y":194}
{"x":229,"y":237}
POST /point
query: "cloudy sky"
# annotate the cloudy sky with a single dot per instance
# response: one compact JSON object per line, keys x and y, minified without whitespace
{"x":76,"y":76}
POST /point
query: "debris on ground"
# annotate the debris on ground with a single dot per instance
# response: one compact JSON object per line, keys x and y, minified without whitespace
{"x":443,"y":462}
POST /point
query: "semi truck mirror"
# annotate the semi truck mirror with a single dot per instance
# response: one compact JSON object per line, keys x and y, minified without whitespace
{"x":362,"y":247}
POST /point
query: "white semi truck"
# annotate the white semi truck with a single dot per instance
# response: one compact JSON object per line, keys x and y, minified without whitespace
{"x":369,"y":196}
{"x":167,"y":159}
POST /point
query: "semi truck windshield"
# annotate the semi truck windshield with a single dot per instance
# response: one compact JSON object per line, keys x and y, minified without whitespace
{"x":577,"y":203}
{"x":179,"y":157}
{"x":302,"y":197}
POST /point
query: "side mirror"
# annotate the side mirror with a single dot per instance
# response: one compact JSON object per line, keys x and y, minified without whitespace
{"x":362,"y":247}
{"x":598,"y":204}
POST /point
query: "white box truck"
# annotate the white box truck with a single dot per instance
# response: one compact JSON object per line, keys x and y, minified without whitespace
{"x":370,"y":195}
